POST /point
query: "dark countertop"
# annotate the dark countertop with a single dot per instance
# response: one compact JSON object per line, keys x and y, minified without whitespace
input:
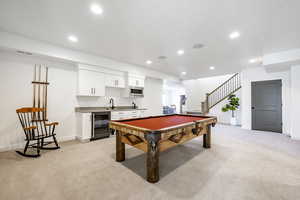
{"x":193,"y":112}
{"x":105,"y":109}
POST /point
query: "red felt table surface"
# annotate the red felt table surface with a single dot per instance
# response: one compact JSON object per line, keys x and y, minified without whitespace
{"x":157,"y":123}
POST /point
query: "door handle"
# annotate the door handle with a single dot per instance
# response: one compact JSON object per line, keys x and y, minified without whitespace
{"x":93,"y":125}
{"x":252,"y":108}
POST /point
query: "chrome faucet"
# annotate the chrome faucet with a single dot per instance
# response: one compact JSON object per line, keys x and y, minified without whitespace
{"x":111,"y":103}
{"x":134,"y":105}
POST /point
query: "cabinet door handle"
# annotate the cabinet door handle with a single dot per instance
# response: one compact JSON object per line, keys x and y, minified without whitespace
{"x":91,"y":90}
{"x":94,"y":90}
{"x":93,"y":128}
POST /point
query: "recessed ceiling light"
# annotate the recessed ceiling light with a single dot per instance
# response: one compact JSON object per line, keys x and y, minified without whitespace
{"x":180,"y":52}
{"x":212,"y":68}
{"x":148,"y":62}
{"x":255,"y":60}
{"x":73,"y":38}
{"x":234,"y":35}
{"x":183,"y":73}
{"x":96,"y":9}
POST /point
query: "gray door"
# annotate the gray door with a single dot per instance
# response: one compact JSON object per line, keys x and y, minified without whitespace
{"x":267,"y":106}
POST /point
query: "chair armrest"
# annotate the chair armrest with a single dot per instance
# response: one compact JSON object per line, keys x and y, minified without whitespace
{"x":51,"y":124}
{"x":30,"y":128}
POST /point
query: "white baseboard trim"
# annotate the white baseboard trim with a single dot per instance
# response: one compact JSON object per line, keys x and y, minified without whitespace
{"x":295,"y":138}
{"x":66,"y":138}
{"x":12,"y":147}
{"x":228,"y":124}
{"x":21,"y":145}
{"x":83,"y":140}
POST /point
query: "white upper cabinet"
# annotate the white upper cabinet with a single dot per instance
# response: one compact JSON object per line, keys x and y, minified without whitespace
{"x":117,"y":81}
{"x":92,"y":80}
{"x":136,"y":81}
{"x":99,"y":86}
{"x":90,"y":83}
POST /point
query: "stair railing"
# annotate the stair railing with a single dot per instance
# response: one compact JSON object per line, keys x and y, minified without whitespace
{"x":222,"y":92}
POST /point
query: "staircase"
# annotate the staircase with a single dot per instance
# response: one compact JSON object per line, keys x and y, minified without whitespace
{"x":222,"y":92}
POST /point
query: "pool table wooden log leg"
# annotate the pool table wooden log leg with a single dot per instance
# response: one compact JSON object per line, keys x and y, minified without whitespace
{"x":120,"y":147}
{"x":153,"y":139}
{"x":207,"y":138}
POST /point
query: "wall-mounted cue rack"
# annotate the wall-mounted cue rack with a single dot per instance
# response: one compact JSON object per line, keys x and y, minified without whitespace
{"x":40,"y":90}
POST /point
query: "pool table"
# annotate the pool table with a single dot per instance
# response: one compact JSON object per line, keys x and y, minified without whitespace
{"x":158,"y":133}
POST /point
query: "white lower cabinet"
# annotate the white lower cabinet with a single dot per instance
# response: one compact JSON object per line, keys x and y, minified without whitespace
{"x":84,"y":121}
{"x":143,"y":113}
{"x":119,"y":115}
{"x":84,"y":126}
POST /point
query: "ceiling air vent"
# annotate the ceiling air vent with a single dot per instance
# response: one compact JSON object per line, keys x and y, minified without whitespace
{"x":24,"y":53}
{"x":198,"y":46}
{"x":162,"y":57}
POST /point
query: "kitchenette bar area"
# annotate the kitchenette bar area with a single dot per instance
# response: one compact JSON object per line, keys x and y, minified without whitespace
{"x":93,"y":122}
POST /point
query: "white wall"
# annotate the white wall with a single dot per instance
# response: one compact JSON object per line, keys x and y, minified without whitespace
{"x":196,"y":93}
{"x":295,"y":99}
{"x":16,"y":74}
{"x":153,"y":96}
{"x":260,"y":73}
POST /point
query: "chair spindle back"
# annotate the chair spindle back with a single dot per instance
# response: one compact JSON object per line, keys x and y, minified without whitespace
{"x":32,"y":122}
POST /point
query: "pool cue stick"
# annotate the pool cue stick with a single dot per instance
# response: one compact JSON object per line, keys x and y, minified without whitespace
{"x":46,"y":93}
{"x":42,"y":91}
{"x":39,"y":88}
{"x":34,"y":90}
{"x":34,"y":79}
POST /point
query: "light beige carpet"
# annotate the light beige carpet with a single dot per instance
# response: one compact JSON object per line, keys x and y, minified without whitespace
{"x":238,"y":166}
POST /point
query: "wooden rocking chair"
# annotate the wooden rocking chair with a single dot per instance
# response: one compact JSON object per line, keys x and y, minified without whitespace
{"x":36,"y":130}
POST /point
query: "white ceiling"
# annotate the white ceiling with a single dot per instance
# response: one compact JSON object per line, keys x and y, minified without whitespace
{"x":134,"y":31}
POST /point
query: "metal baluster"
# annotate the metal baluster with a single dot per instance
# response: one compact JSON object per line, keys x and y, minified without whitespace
{"x":232,"y":85}
{"x":218,"y":95}
{"x":227,"y":88}
{"x":223,"y":91}
{"x":235,"y":82}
